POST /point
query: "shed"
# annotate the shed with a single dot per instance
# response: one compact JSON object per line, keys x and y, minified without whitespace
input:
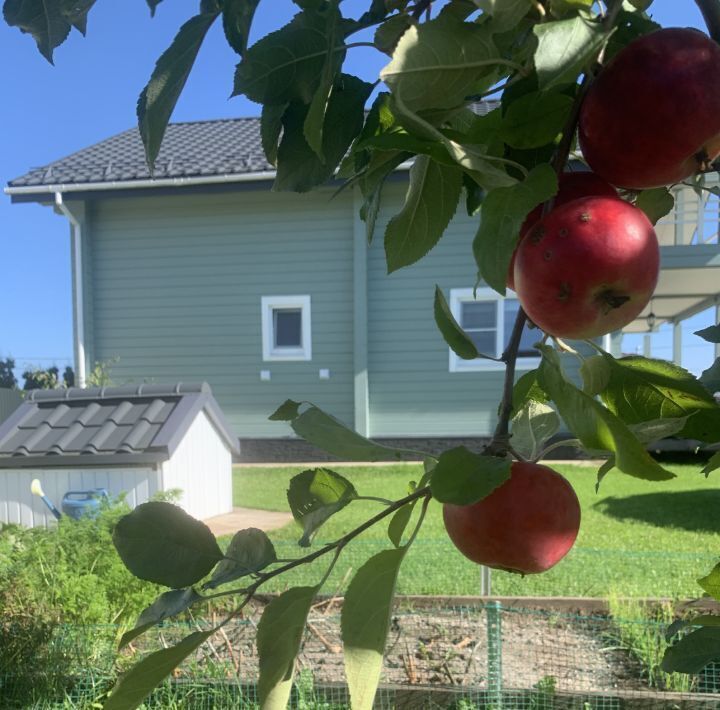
{"x":137,"y":439}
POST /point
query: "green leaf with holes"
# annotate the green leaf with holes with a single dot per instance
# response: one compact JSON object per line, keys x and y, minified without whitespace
{"x":315,"y":495}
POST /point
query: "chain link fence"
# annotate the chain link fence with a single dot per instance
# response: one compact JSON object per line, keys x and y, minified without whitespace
{"x":441,"y":653}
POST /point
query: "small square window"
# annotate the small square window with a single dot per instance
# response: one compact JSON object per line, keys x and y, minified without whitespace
{"x":286,"y":328}
{"x":488,"y":320}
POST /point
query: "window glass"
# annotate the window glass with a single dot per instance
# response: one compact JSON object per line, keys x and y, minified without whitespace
{"x":287,"y":327}
{"x":479,"y":314}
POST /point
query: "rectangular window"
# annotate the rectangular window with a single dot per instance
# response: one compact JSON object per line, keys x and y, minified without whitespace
{"x":286,"y":328}
{"x":487,"y":318}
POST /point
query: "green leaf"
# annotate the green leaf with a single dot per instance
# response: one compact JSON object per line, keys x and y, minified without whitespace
{"x":532,"y":426}
{"x":285,"y":65}
{"x":279,"y":633}
{"x":42,"y":19}
{"x":388,"y":34}
{"x":536,"y":119}
{"x":399,"y":522}
{"x":711,"y":583}
{"x":249,"y":551}
{"x":76,"y":11}
{"x":315,"y":119}
{"x":655,"y":203}
{"x":462,"y":477}
{"x":365,"y":620}
{"x":159,"y":542}
{"x":657,"y":429}
{"x":596,"y":427}
{"x":237,"y":20}
{"x":693,"y":652}
{"x":437,"y":64}
{"x":158,"y":98}
{"x":527,"y":389}
{"x":166,"y":605}
{"x":299,"y":167}
{"x":286,"y":412}
{"x":713,"y":464}
{"x":642,"y":389}
{"x":603,"y":471}
{"x":135,"y":685}
{"x":152,"y":4}
{"x":502,"y":213}
{"x":596,"y":373}
{"x":458,"y":340}
{"x":710,"y":379}
{"x":316,"y":494}
{"x":430,"y":203}
{"x":331,"y":435}
{"x":711,"y":334}
{"x":506,"y":14}
{"x":564,"y":49}
{"x":270,"y":129}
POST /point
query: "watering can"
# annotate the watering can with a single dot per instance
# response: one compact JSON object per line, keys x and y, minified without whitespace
{"x":75,"y":504}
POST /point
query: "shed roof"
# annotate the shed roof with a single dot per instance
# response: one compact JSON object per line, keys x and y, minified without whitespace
{"x":213,"y":151}
{"x":132,"y":424}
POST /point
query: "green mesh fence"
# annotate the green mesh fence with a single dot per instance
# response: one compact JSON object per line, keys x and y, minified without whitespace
{"x":441,"y":653}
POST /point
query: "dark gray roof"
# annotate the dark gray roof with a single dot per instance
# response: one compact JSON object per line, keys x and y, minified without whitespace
{"x":197,"y":149}
{"x":106,"y":425}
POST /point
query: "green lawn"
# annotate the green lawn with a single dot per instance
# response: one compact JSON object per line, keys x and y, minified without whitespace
{"x":637,"y":538}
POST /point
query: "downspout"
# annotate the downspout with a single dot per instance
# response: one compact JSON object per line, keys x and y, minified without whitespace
{"x":77,"y":290}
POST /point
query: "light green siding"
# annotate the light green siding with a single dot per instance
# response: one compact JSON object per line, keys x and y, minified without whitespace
{"x":176,"y":289}
{"x":412,"y":392}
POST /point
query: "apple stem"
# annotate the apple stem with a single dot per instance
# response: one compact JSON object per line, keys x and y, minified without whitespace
{"x":710,"y":10}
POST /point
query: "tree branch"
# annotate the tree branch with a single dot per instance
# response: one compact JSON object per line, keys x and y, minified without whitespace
{"x":337,"y":545}
{"x":710,"y":10}
{"x":500,"y":443}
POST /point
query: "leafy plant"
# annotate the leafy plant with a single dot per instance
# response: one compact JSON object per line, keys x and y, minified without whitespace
{"x":548,"y":61}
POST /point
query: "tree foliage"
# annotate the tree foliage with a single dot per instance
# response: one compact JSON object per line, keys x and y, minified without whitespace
{"x":500,"y":160}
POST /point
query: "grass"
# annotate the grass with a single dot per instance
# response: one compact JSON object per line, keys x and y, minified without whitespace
{"x":637,"y":538}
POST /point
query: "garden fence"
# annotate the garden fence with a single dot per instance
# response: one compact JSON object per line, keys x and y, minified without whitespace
{"x":462,"y":653}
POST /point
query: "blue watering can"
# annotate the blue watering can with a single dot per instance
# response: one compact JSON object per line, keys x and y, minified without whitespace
{"x":75,"y":504}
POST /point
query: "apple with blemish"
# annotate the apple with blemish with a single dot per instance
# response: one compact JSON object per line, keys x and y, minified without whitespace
{"x":587,"y":268}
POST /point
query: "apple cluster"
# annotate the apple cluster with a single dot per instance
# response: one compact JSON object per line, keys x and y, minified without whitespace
{"x":590,"y":264}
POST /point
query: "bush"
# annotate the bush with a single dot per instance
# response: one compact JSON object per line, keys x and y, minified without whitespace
{"x":71,"y":574}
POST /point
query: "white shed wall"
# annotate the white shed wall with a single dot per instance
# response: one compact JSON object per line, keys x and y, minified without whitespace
{"x":202,"y":468}
{"x":18,"y":505}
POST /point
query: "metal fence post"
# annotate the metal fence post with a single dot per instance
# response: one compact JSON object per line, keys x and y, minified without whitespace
{"x":485,"y":581}
{"x":494,"y":655}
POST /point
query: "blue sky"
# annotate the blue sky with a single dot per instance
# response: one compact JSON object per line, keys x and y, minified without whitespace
{"x":91,"y":94}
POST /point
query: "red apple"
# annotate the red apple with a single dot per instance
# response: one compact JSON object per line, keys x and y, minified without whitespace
{"x":588,"y":268}
{"x":527,"y":525}
{"x":652,"y":116}
{"x":570,"y":187}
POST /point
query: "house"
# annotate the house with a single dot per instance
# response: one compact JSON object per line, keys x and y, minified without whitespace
{"x":139,"y":440}
{"x":202,"y":272}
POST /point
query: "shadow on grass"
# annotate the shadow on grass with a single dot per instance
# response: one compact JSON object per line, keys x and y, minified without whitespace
{"x":698,"y":511}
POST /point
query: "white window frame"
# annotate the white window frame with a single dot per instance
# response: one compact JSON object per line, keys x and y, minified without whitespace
{"x":273,"y":354}
{"x":458,"y":296}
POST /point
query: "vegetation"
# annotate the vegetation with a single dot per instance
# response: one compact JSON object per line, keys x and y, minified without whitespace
{"x":551,"y":64}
